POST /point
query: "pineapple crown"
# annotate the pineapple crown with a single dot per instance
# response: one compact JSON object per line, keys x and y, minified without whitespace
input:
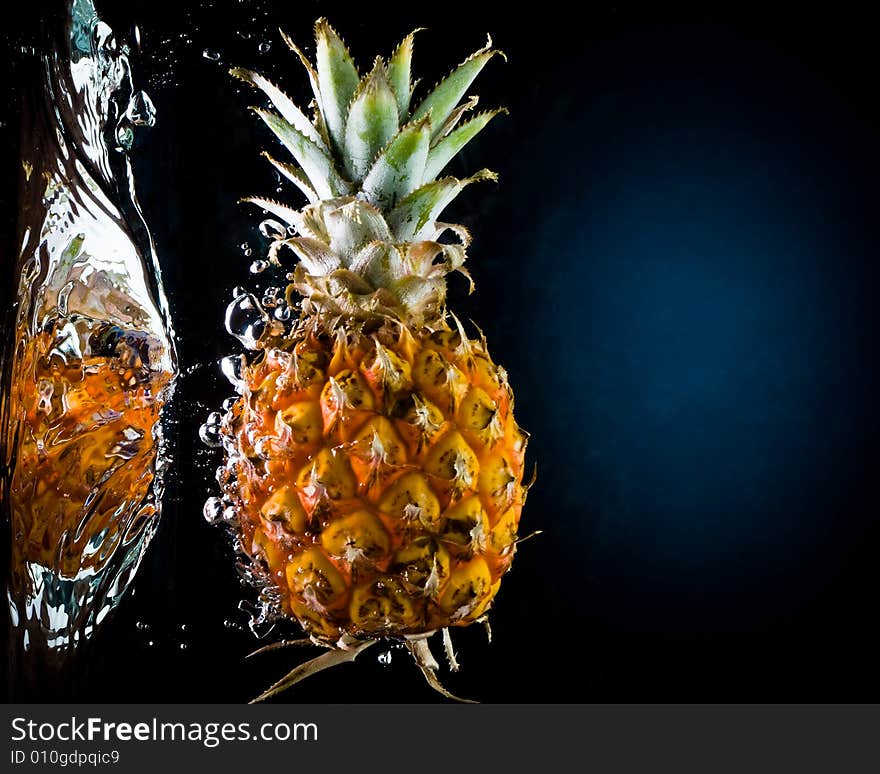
{"x":369,"y":240}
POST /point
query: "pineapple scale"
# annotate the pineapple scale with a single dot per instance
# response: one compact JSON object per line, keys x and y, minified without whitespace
{"x":377,"y":481}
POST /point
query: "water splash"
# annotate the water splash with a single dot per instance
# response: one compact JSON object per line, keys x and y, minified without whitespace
{"x":90,"y":359}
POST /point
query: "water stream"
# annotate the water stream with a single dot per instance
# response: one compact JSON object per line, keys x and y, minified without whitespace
{"x":88,"y":354}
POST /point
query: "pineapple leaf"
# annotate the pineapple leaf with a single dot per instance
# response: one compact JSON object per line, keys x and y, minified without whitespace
{"x":295,"y":175}
{"x":425,"y":661}
{"x":313,"y":76}
{"x":314,"y":255}
{"x":422,"y":207}
{"x":400,"y":167}
{"x":304,"y":641}
{"x":415,"y":293}
{"x":461,"y":233}
{"x":337,"y":80}
{"x":440,"y":155}
{"x":284,"y":104}
{"x":317,"y":166}
{"x":454,"y":117}
{"x":326,"y":660}
{"x":372,"y":121}
{"x":351,"y":281}
{"x":289,"y":215}
{"x":352,"y":225}
{"x":400,"y":73}
{"x":380,"y":263}
{"x":440,"y":103}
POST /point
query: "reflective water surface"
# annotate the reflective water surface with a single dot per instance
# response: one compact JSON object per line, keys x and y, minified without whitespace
{"x":89,"y":358}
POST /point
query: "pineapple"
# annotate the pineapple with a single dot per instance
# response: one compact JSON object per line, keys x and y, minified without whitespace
{"x":374,"y":469}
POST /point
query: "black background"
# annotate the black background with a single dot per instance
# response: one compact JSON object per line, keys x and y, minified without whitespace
{"x":678,"y":270}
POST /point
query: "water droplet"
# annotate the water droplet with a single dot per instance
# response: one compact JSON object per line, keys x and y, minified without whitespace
{"x":259,"y":266}
{"x":233,"y":367}
{"x":272,"y":229}
{"x":384,"y":658}
{"x":140,"y":110}
{"x":142,"y":626}
{"x":283,"y":313}
{"x":246,"y":320}
{"x":264,"y":47}
{"x":124,"y":135}
{"x":137,"y":36}
{"x":102,"y":35}
{"x":210,"y":436}
{"x":213,"y":510}
{"x":183,"y":646}
{"x":209,"y":53}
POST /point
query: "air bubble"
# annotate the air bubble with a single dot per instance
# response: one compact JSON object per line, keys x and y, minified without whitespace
{"x":124,"y":136}
{"x":272,"y":229}
{"x":213,"y":510}
{"x":259,"y":266}
{"x":246,"y":320}
{"x":209,"y":53}
{"x":210,"y":436}
{"x":384,"y":658}
{"x":140,"y":110}
{"x":264,"y":47}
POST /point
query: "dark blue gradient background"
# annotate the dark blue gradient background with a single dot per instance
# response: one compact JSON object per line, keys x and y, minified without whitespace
{"x":679,"y":271}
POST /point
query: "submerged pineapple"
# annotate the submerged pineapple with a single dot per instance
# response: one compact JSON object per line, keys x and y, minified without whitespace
{"x":373,"y":462}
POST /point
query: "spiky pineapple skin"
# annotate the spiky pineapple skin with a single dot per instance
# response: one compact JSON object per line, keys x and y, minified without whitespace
{"x":377,"y":480}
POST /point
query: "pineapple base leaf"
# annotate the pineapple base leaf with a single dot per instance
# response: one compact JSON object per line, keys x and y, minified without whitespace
{"x":326,"y":660}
